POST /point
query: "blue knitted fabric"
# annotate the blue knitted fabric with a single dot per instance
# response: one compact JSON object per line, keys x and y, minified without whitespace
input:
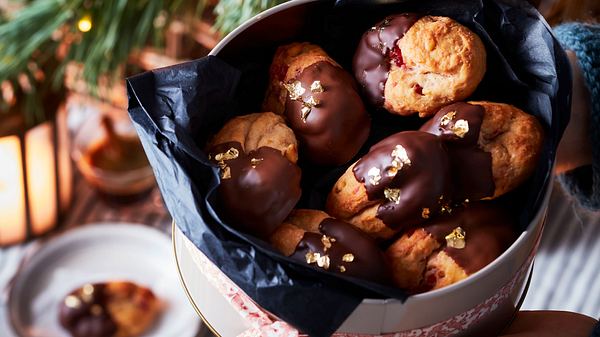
{"x":584,"y":40}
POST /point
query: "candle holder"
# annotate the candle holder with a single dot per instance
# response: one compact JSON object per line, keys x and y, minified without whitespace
{"x":35,"y":176}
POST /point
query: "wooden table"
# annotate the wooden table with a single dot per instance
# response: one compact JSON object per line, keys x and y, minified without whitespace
{"x":87,"y":208}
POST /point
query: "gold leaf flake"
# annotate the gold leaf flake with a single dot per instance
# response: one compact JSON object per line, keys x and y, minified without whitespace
{"x":305,"y":112}
{"x":447,"y":118}
{"x":323,"y":262}
{"x":295,"y":90}
{"x":312,"y":102}
{"x":446,"y":209}
{"x":312,"y":257}
{"x":425,"y":213}
{"x":348,"y":257}
{"x":392,"y":171}
{"x":326,"y":241}
{"x":342,"y":269}
{"x":392,"y":194}
{"x":88,"y":289}
{"x":226,"y":172}
{"x":255,"y":161}
{"x":457,"y":238}
{"x":87,"y":292}
{"x":72,"y":302}
{"x":316,"y":87}
{"x":400,"y":157}
{"x":374,"y":175}
{"x":230,"y":154}
{"x":461,"y":128}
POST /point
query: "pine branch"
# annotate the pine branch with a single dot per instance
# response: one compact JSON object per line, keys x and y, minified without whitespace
{"x":45,"y":28}
{"x":30,"y":31}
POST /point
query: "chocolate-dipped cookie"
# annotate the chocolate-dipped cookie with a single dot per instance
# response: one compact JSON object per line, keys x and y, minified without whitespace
{"x":260,"y":182}
{"x":493,"y":147}
{"x":320,"y":102}
{"x":410,"y":64}
{"x":109,"y":309}
{"x":317,"y":239}
{"x":263,"y":129}
{"x":403,"y":181}
{"x":451,"y":247}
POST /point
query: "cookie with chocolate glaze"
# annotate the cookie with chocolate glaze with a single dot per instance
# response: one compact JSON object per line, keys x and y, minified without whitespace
{"x":315,"y":238}
{"x":260,"y":182}
{"x":403,"y":181}
{"x":263,"y":129}
{"x":109,"y":309}
{"x":320,"y":102}
{"x":493,"y":147}
{"x":451,"y":247}
{"x":410,"y":64}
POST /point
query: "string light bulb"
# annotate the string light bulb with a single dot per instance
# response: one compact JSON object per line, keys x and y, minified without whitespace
{"x":85,"y":24}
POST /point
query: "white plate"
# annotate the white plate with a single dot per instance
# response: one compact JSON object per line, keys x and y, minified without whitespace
{"x":97,"y":253}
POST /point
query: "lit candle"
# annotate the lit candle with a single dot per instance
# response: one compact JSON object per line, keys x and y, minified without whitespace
{"x":12,"y":199}
{"x":41,"y":178}
{"x":41,"y":184}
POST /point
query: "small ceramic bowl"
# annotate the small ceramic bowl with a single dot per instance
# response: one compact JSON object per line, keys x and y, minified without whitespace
{"x":124,"y":184}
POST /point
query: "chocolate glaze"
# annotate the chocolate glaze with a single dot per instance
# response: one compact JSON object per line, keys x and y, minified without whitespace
{"x":471,"y":166}
{"x":369,"y":261}
{"x":490,"y":230}
{"x":258,"y":196}
{"x":90,"y":317}
{"x":421,"y":184}
{"x":372,"y":60}
{"x":334,"y":130}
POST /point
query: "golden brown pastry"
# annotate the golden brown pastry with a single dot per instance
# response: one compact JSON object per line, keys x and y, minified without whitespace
{"x":256,"y":130}
{"x":451,"y":247}
{"x":320,"y":102}
{"x":410,"y":64}
{"x":483,"y":151}
{"x":315,"y":238}
{"x":112,"y":309}
{"x":260,"y":182}
{"x":480,"y":135}
{"x":403,"y":181}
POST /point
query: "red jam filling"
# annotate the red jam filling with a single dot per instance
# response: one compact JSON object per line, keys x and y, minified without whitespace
{"x":396,"y":56}
{"x":418,"y":89}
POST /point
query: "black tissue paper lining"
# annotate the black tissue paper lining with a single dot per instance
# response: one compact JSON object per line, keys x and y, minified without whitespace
{"x":176,"y":109}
